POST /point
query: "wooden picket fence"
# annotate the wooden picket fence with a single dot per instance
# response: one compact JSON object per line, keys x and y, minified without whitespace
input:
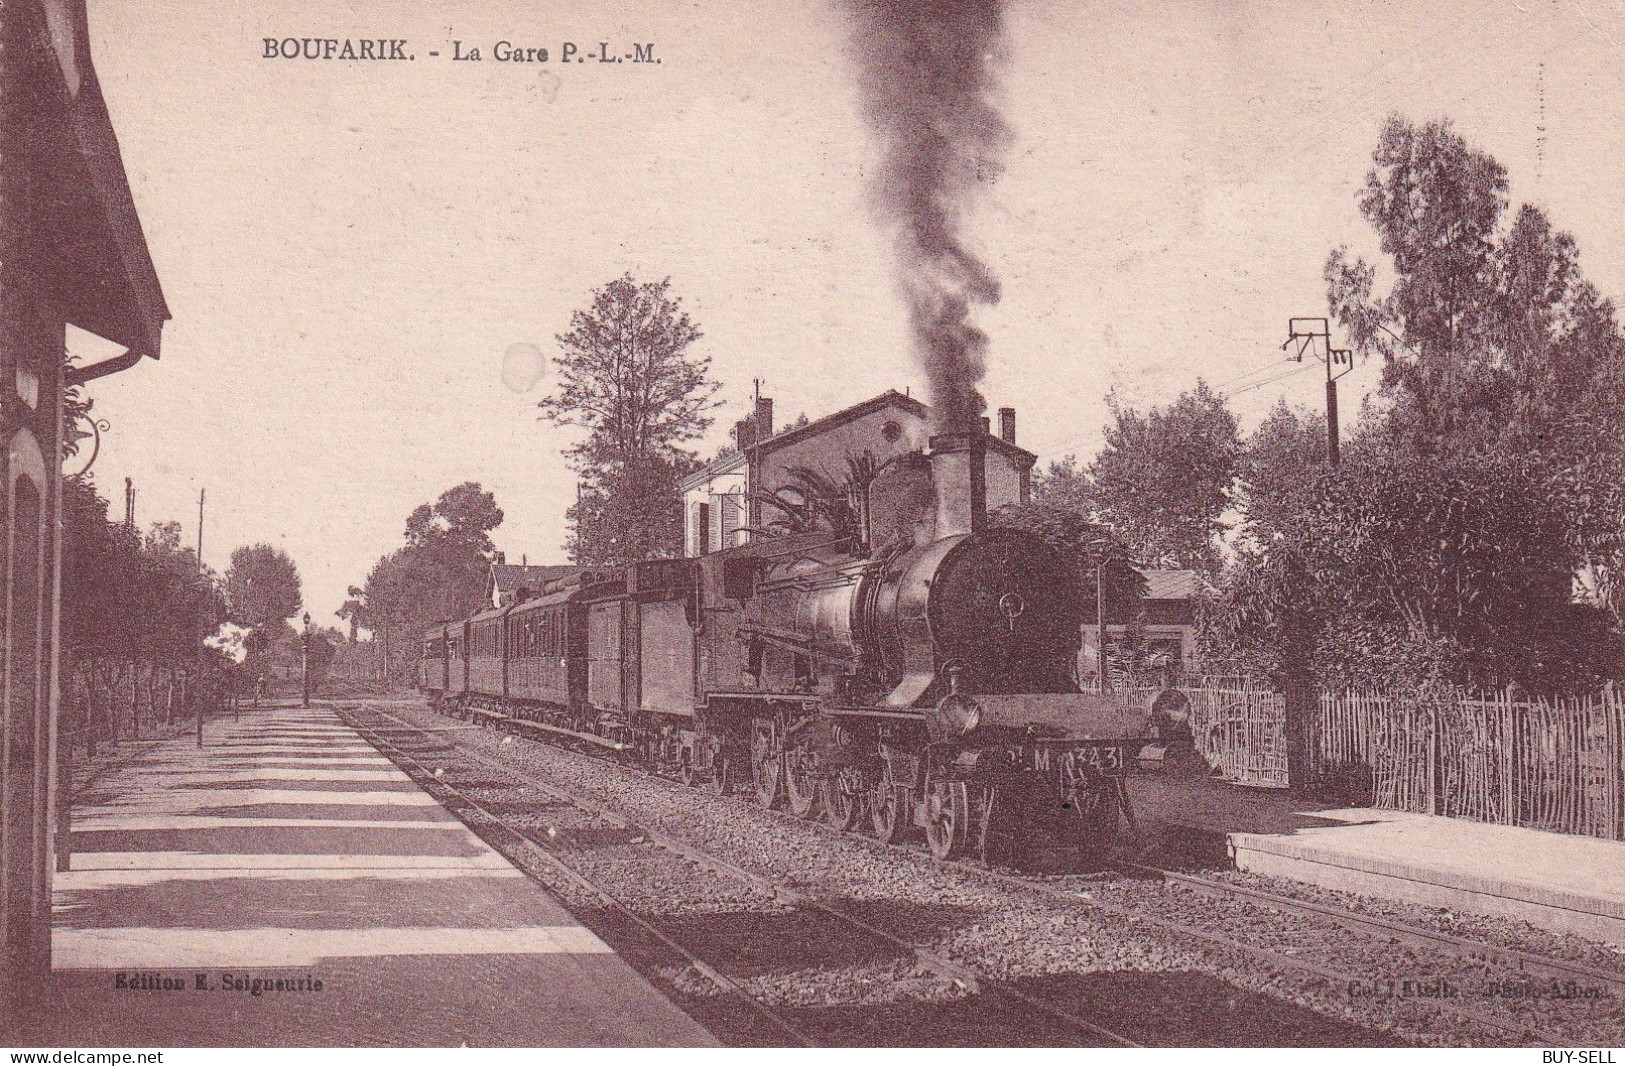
{"x":1508,"y":758}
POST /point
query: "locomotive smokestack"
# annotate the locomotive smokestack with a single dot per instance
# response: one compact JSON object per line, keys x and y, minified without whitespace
{"x":1007,"y":424}
{"x":959,"y":480}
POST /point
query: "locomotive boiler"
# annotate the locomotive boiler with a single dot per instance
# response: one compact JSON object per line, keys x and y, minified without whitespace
{"x":912,"y":668}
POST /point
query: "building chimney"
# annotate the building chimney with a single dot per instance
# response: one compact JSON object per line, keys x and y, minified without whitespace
{"x":501,"y":558}
{"x":1007,"y":424}
{"x":764,"y":418}
{"x":745,"y":434}
{"x":959,"y":482}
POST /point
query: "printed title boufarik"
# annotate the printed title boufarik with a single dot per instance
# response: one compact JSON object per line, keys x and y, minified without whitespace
{"x":360,"y":49}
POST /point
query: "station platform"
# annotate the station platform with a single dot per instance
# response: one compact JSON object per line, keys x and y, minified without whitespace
{"x":286,"y":885}
{"x":1564,"y":883}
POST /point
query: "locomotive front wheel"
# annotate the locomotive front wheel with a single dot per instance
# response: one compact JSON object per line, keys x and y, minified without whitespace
{"x":843,"y":799}
{"x":800,"y":784}
{"x":766,"y":766}
{"x":947,"y":817}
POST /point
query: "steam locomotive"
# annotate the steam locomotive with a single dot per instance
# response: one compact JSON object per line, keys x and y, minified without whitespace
{"x":917,"y":670}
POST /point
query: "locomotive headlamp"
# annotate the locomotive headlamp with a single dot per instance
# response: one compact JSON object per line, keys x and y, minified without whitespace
{"x":954,"y":716}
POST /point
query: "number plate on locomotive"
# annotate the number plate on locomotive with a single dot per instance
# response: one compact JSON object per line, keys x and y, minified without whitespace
{"x":1087,"y":760}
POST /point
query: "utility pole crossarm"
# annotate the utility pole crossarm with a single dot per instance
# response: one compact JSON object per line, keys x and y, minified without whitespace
{"x":1306,"y":331}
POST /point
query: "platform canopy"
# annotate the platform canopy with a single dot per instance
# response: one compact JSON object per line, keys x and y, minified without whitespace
{"x":86,"y":235}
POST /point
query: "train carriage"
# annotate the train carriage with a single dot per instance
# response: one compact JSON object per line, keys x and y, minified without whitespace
{"x":544,"y":647}
{"x":432,"y":670}
{"x":487,"y":670}
{"x":457,"y":660}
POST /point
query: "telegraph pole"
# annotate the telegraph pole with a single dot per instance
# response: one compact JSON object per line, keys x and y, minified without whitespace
{"x":1306,"y":331}
{"x":1313,"y":336}
{"x":200,"y":528}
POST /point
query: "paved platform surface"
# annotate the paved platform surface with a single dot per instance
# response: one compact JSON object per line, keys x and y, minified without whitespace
{"x":1570,"y":884}
{"x":289,"y":849}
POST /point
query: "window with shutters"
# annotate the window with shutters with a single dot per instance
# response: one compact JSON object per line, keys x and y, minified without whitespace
{"x":731,"y":514}
{"x":702,"y":528}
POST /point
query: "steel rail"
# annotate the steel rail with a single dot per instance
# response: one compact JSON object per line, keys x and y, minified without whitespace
{"x":1465,"y":947}
{"x":1263,"y":954}
{"x":949,"y":969}
{"x":1266,"y":955}
{"x":1275,"y":958}
{"x":543,"y":853}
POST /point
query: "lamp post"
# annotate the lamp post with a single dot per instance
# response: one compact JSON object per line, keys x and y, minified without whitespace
{"x":304,"y":659}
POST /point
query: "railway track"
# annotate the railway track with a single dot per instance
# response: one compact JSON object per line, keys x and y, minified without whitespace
{"x":1377,"y":928}
{"x":479,"y":816}
{"x":487,"y":823}
{"x":1417,"y":936}
{"x":1522,"y":1030}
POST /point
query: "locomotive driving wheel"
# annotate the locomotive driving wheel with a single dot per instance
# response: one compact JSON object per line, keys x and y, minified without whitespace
{"x":887,"y":810}
{"x":947,"y":818}
{"x":720,"y":781}
{"x":766,"y":764}
{"x":843,"y":798}
{"x":801,"y":783}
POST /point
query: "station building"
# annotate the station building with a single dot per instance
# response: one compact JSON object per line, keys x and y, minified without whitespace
{"x":723,"y":500}
{"x":71,"y":253}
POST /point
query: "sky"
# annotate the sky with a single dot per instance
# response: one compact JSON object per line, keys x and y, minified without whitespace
{"x":348,"y":249}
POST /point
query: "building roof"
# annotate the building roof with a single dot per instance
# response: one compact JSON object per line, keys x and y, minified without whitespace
{"x":100,"y":267}
{"x":889,"y":398}
{"x":722,"y":464}
{"x":510,"y":579}
{"x":1172,"y":584}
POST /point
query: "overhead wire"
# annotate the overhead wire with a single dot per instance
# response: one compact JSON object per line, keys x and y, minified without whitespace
{"x":1270,"y":381}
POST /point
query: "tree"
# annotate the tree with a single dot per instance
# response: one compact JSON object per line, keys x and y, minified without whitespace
{"x":438,"y":574}
{"x":1492,"y":341}
{"x":1435,"y":204}
{"x":1163,"y":479}
{"x":1403,"y":568}
{"x":463,"y":517}
{"x":1065,"y":484}
{"x":1280,"y":466}
{"x":324,"y":644}
{"x":627,"y":378}
{"x":629,"y":511}
{"x":262,"y":586}
{"x":352,"y":609}
{"x":137,"y":615}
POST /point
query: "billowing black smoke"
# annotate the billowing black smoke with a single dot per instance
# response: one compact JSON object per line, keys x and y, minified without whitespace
{"x":925,"y":72}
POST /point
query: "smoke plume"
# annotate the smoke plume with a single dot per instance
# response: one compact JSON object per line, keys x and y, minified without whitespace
{"x":926,"y":79}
